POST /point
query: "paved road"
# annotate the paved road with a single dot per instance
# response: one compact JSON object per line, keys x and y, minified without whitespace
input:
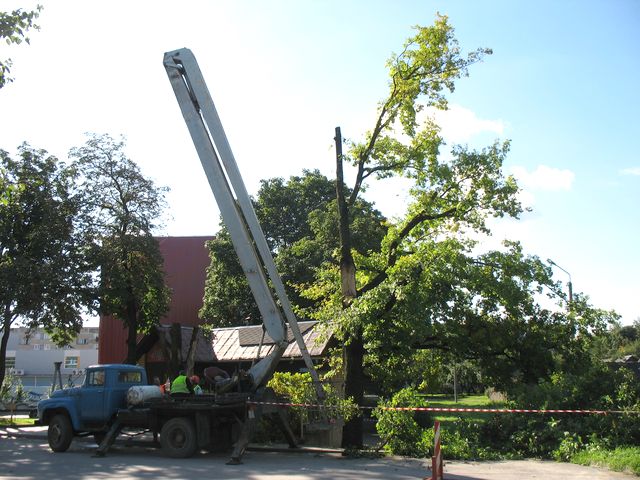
{"x":24,"y":454}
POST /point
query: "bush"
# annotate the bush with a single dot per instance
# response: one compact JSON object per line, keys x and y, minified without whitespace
{"x":399,"y":429}
{"x":298,"y":388}
{"x":622,"y":459}
{"x":12,"y":392}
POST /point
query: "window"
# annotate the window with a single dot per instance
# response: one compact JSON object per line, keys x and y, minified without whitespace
{"x":129,"y":377}
{"x":9,"y":362}
{"x":96,"y":378}
{"x":81,"y":341}
{"x":71,"y":362}
{"x":38,"y":346}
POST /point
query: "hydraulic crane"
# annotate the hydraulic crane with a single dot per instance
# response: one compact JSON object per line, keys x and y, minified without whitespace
{"x":237,"y":212}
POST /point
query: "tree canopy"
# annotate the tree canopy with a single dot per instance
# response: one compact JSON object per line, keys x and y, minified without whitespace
{"x":430,"y":285}
{"x":122,"y":207}
{"x":299,"y":219}
{"x":45,"y":275}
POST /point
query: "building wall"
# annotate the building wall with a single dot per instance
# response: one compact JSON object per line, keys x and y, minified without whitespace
{"x":185,"y":263}
{"x":31,"y":356}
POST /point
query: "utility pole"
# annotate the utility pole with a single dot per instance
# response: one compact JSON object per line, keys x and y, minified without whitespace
{"x":568,"y":284}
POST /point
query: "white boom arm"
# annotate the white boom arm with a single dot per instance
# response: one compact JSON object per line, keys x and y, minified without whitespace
{"x":237,"y":211}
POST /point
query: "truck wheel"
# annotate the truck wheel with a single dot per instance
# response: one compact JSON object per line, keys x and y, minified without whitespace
{"x":60,"y":433}
{"x":178,"y":438}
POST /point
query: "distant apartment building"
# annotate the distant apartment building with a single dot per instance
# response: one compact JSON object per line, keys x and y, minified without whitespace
{"x":31,"y":355}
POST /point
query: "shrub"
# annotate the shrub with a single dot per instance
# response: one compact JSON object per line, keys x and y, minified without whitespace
{"x":398,"y":428}
{"x":298,"y":388}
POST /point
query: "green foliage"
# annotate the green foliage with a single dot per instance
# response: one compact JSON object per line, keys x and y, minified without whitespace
{"x":299,"y":221}
{"x":621,"y":459}
{"x":563,"y":437}
{"x":121,"y":210}
{"x":11,"y":392}
{"x":618,"y":341}
{"x":13,"y":29}
{"x":45,"y":277}
{"x":597,"y":388}
{"x":298,"y":388}
{"x":227,"y":298}
{"x":402,"y":430}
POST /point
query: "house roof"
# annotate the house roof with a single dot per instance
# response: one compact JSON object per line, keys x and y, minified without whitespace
{"x":238,"y":344}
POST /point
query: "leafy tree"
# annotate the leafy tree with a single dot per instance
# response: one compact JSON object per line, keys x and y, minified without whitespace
{"x":13,"y":29}
{"x":12,"y":394}
{"x":45,"y":279}
{"x":447,"y":194}
{"x":618,"y":341}
{"x":299,"y":220}
{"x":427,"y":286}
{"x":122,"y":208}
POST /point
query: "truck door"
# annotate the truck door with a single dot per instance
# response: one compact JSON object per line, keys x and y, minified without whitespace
{"x":93,"y":397}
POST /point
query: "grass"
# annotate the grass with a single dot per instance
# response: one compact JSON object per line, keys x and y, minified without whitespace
{"x":621,"y":459}
{"x":464,"y":401}
{"x":5,"y":421}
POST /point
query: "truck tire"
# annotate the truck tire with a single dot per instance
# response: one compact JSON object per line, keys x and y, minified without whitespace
{"x":178,"y":438}
{"x":60,"y":433}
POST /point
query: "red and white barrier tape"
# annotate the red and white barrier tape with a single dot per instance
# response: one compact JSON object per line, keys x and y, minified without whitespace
{"x":444,"y":409}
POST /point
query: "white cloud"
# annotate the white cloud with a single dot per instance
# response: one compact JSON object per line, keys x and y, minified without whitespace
{"x":459,"y":124}
{"x":631,"y":171}
{"x":544,"y":178}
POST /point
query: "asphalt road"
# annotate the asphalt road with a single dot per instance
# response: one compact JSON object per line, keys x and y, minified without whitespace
{"x":24,"y":454}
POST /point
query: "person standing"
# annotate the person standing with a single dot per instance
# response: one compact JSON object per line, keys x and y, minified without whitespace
{"x":181,"y":385}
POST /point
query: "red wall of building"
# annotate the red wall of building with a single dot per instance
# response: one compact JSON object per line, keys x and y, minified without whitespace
{"x":185,"y":262}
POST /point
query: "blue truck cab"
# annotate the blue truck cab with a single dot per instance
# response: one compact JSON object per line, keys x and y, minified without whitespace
{"x":90,"y":408}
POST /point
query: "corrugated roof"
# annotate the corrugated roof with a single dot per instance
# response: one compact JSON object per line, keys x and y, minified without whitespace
{"x":224,"y":344}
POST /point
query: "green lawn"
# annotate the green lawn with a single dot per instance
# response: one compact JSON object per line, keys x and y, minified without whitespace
{"x":5,"y":421}
{"x":621,"y":459}
{"x":464,"y":401}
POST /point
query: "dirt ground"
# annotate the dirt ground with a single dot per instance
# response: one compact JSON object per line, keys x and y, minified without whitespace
{"x":24,"y":454}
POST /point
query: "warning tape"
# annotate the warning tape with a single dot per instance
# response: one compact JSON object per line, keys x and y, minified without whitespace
{"x":446,"y":409}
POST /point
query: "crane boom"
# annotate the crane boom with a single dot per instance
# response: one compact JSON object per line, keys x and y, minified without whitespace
{"x":228,"y":188}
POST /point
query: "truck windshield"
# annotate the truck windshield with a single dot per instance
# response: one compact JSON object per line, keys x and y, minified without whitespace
{"x":96,"y":378}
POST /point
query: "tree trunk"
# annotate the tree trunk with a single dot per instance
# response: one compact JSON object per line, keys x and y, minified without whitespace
{"x":191,"y":356}
{"x":132,"y":337}
{"x":353,"y":349}
{"x":176,"y":350}
{"x":347,"y":265}
{"x":6,"y":331}
{"x":354,"y":387}
{"x":166,"y":354}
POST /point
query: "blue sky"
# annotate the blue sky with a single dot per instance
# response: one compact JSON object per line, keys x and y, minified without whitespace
{"x":562,"y":85}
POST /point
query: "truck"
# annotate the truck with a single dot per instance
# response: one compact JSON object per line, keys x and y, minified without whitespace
{"x":115,"y":398}
{"x":89,"y":408}
{"x":223,"y":418}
